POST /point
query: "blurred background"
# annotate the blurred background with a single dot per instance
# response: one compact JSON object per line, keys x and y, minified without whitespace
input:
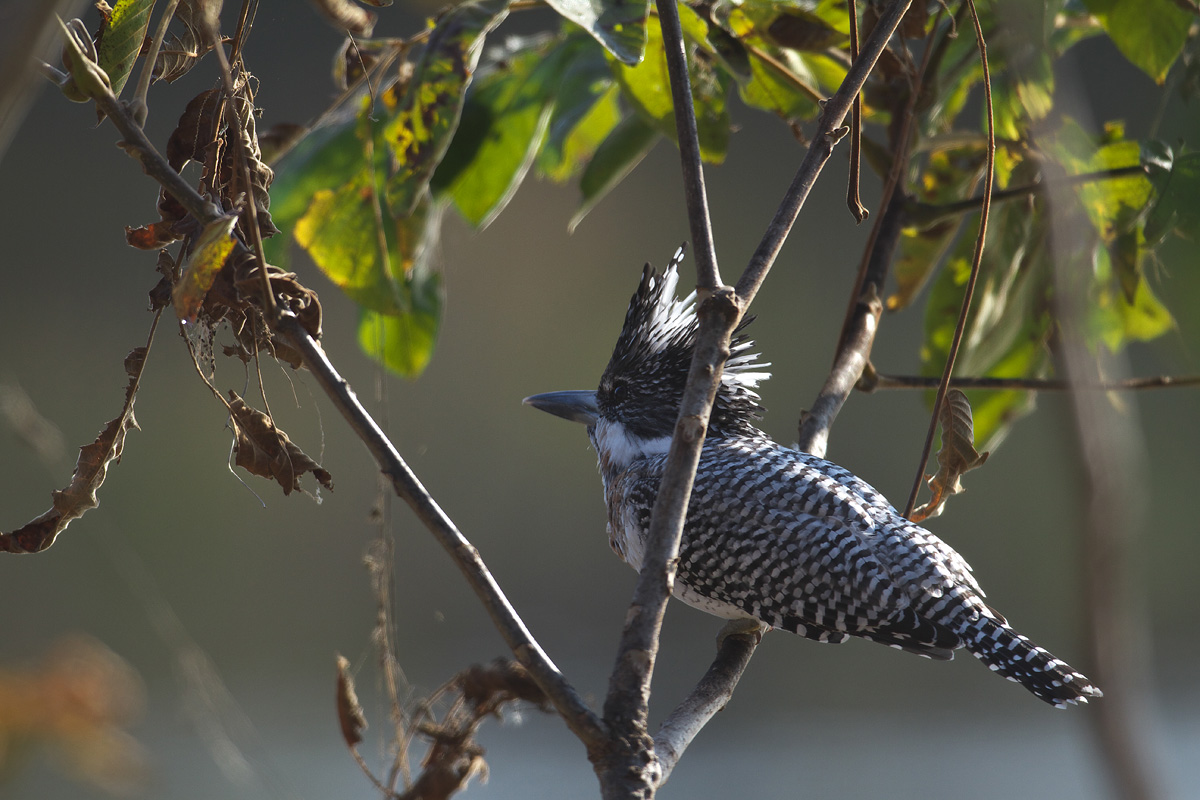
{"x":227,"y":602}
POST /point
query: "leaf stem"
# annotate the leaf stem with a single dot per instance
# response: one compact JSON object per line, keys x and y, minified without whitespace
{"x":988,"y":180}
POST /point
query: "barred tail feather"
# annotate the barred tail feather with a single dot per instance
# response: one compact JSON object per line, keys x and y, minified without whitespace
{"x":1012,"y":655}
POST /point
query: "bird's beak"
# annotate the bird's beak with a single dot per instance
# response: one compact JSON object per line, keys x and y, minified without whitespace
{"x":577,"y":406}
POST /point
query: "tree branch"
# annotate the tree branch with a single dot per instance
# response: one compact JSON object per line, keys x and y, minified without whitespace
{"x":857,"y":336}
{"x":633,"y":770}
{"x":877,"y":380}
{"x":709,"y":696}
{"x":630,"y":768}
{"x":581,"y":719}
{"x":829,"y":131}
{"x":924,"y":215}
{"x":1113,"y":469}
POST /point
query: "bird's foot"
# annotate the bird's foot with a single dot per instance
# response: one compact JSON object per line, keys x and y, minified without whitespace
{"x":743,"y":625}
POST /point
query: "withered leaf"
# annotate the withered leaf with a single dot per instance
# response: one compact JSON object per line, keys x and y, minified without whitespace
{"x":180,"y":52}
{"x":196,"y":129}
{"x":956,"y":456}
{"x":264,"y":450}
{"x":349,"y":710}
{"x":346,"y":16}
{"x":154,"y":236}
{"x":90,"y":471}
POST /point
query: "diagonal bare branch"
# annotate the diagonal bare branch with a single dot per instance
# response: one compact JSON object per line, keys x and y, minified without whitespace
{"x":581,"y":719}
{"x":829,"y":132}
{"x":633,"y":769}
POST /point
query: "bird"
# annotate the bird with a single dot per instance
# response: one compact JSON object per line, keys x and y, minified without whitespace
{"x":775,"y":537}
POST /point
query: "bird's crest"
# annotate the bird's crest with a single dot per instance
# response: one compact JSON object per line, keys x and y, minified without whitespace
{"x":657,"y":342}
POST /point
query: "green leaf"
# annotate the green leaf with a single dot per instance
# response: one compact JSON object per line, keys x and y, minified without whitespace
{"x":621,"y":151}
{"x":331,"y":155}
{"x":576,"y":134}
{"x":403,"y":342}
{"x":1009,"y":325}
{"x":1150,"y":33}
{"x":1177,"y":207}
{"x":1115,"y":318}
{"x":120,"y":40}
{"x":949,"y":175}
{"x":426,"y":116}
{"x":503,"y":125}
{"x":585,"y":110}
{"x":773,"y":78}
{"x":341,"y":233}
{"x":1113,"y":205}
{"x":618,"y":25}
{"x":648,"y":87}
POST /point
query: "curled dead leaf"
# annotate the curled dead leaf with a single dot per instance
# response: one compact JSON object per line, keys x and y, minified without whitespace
{"x":349,"y":710}
{"x":90,"y":472}
{"x":262,"y":449}
{"x":345,"y":15}
{"x":956,"y":456}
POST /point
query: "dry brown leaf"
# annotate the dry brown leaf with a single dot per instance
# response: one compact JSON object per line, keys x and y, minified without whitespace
{"x":90,"y":471}
{"x":181,"y":52}
{"x":264,"y":450}
{"x":349,"y":710}
{"x":196,"y":129}
{"x":346,"y":16}
{"x":956,"y":456}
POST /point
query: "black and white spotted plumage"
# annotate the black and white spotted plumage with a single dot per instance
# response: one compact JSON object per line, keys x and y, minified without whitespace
{"x":774,"y":534}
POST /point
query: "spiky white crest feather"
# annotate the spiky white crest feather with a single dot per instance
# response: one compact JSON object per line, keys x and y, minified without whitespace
{"x":654,"y":351}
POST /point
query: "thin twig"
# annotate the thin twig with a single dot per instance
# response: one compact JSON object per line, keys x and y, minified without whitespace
{"x":960,"y":328}
{"x":699,"y":223}
{"x":829,"y":131}
{"x":926,"y":214}
{"x":881,"y":381}
{"x":590,"y":729}
{"x":709,"y":696}
{"x":582,"y":721}
{"x":138,"y":104}
{"x":853,"y":201}
{"x":862,"y":318}
{"x":270,"y":309}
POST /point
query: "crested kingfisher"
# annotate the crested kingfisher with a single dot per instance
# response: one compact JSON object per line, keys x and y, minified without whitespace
{"x":773,"y":534}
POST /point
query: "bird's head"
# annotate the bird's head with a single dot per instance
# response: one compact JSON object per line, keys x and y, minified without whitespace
{"x":632,"y":413}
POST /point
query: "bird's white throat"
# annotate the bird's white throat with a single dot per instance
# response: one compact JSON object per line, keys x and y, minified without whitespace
{"x":618,"y":447}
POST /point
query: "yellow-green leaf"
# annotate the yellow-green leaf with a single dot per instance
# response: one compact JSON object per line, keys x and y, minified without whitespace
{"x":1150,"y":33}
{"x":648,"y":87}
{"x":211,"y":249}
{"x":427,"y":115}
{"x":618,"y":25}
{"x":120,"y":40}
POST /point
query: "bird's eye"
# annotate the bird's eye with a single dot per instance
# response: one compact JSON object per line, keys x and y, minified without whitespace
{"x":619,"y":392}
